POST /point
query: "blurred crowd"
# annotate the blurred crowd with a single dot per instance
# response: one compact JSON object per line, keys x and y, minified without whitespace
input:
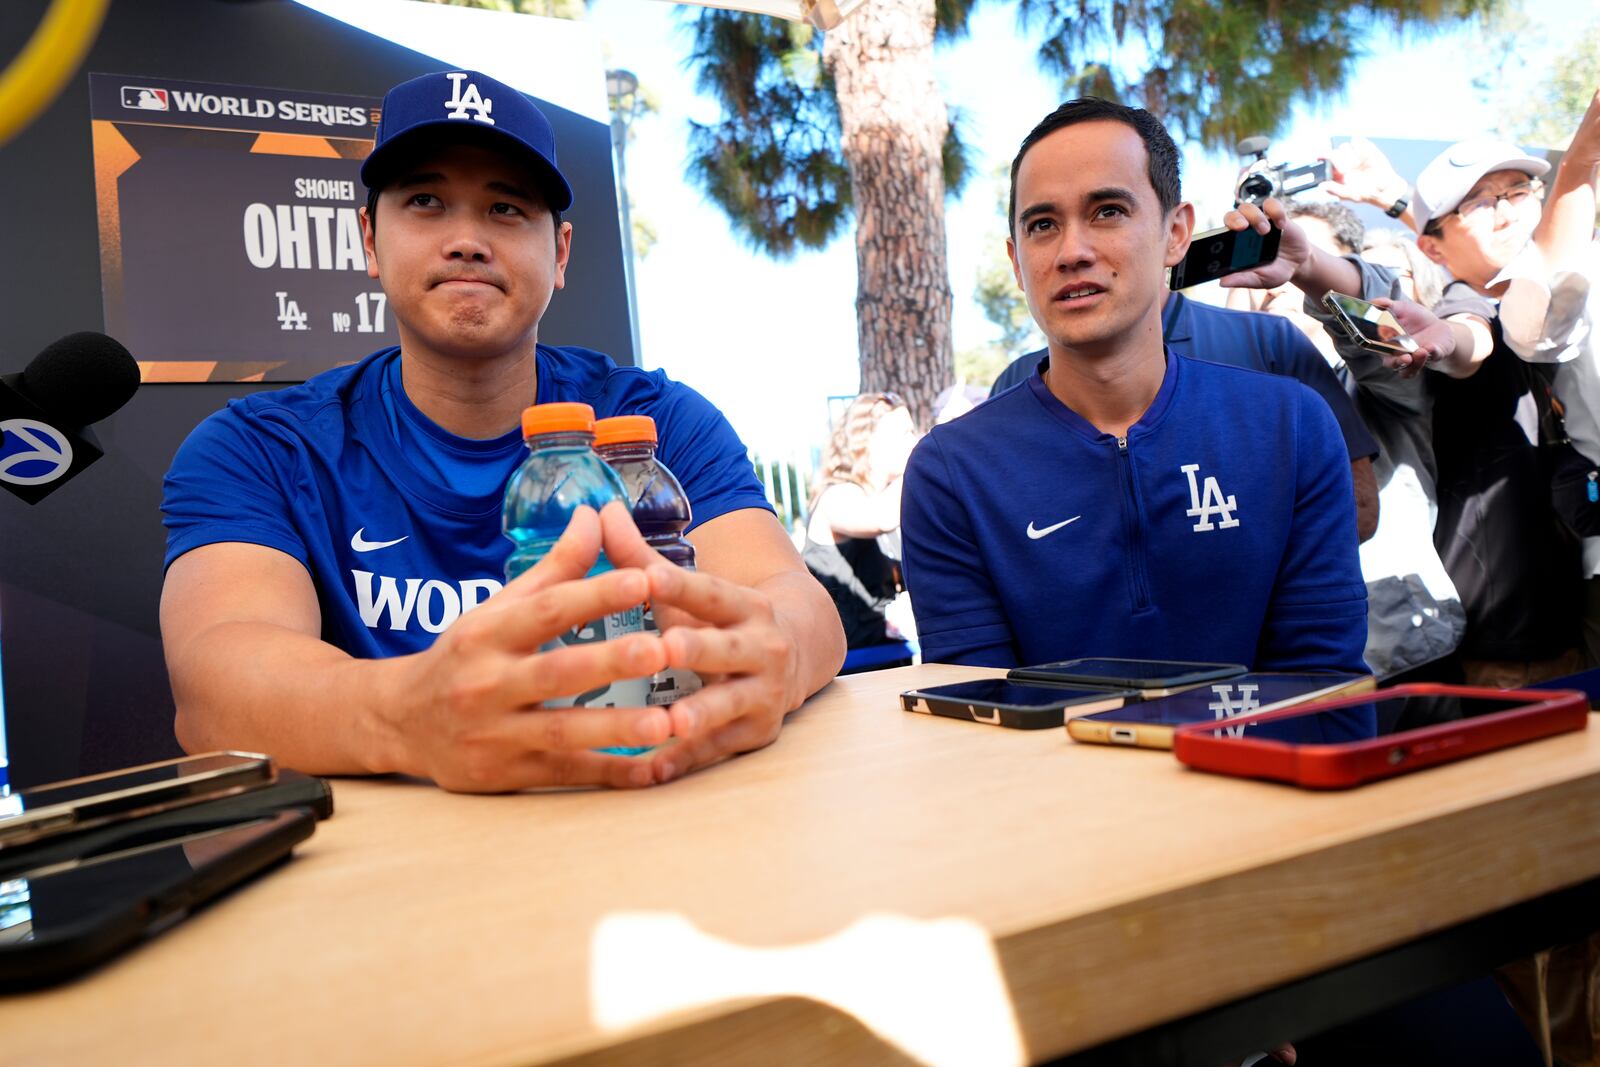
{"x":1479,"y":451}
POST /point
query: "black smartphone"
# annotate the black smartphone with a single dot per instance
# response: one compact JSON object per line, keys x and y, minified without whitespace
{"x":59,"y":920}
{"x":1151,"y":677}
{"x":1221,"y":252}
{"x":1367,"y":324}
{"x":1002,"y":703}
{"x":82,"y":803}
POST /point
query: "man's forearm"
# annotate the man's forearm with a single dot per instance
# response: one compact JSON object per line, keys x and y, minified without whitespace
{"x":1366,"y":487}
{"x":1473,"y":343}
{"x":1567,"y":226}
{"x":265,"y":688}
{"x":1324,"y":273}
{"x":804,"y":611}
{"x":1559,"y":243}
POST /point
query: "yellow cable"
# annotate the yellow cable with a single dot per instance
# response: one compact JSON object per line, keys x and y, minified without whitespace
{"x":39,"y":72}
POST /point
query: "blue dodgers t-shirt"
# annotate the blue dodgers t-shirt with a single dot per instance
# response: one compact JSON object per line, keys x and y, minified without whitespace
{"x":397,"y":520}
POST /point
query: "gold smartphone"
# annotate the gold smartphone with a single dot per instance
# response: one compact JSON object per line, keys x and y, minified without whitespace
{"x":80,"y":803}
{"x":1150,"y":723}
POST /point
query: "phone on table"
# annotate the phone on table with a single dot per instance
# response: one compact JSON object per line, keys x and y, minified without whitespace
{"x":1339,"y":743}
{"x":1220,"y":253}
{"x":999,"y":702}
{"x":1368,"y":325}
{"x":1150,"y":723}
{"x":1150,"y":677}
{"x":61,"y":919}
{"x":82,"y":803}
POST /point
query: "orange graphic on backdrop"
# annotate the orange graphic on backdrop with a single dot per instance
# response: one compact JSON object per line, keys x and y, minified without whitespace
{"x":294,"y":144}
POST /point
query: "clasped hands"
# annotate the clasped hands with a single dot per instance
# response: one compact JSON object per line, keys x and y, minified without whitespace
{"x":469,"y":712}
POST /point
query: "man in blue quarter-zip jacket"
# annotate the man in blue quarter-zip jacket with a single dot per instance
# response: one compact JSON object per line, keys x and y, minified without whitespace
{"x":1128,"y":502}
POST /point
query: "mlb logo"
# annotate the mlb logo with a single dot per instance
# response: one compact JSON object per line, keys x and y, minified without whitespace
{"x":139,"y":98}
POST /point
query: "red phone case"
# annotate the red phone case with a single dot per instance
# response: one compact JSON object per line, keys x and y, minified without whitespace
{"x":1340,"y":766}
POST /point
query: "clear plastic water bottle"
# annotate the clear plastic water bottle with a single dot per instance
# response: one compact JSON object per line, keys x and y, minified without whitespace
{"x":561,"y":474}
{"x":661,"y":511}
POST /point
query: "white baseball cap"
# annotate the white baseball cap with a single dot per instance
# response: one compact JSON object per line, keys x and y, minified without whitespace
{"x":1446,"y":181}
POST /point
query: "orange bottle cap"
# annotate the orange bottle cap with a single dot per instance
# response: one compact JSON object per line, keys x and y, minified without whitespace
{"x":624,"y":429}
{"x":557,"y":418}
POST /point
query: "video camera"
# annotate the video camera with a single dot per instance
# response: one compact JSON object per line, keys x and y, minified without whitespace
{"x":1261,"y":179}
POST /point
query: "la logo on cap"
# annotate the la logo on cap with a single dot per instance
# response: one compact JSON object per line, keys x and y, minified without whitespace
{"x":471,"y":100}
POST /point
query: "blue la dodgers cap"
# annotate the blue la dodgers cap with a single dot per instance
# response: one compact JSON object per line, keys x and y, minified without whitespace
{"x":470,"y":104}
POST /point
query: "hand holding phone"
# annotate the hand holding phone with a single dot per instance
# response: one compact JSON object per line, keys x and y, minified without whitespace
{"x":1219,"y":253}
{"x":1270,"y":222}
{"x":1426,"y":339}
{"x":1371,"y":325}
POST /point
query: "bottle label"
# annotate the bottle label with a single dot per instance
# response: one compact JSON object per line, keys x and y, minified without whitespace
{"x":623,"y":693}
{"x":674,"y":683}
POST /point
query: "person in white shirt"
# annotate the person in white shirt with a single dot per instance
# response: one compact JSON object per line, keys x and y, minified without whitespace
{"x":1549,"y":313}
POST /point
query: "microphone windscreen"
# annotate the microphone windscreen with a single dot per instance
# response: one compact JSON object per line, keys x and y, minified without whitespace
{"x":81,"y":378}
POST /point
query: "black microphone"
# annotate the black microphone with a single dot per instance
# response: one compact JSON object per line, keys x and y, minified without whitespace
{"x":44,"y":411}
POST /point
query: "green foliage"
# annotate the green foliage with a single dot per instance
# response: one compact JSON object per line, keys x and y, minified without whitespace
{"x":982,"y":365}
{"x":996,"y":292}
{"x":644,"y":231}
{"x":772,"y":162}
{"x":950,"y":18}
{"x":558,"y":9}
{"x":955,"y":157}
{"x":1217,"y":71}
{"x":1559,"y":103}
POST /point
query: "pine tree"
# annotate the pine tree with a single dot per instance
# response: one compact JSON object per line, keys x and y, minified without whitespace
{"x":815,"y":134}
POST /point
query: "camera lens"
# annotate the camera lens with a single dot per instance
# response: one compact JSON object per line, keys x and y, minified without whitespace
{"x":1256,"y":188}
{"x":1213,"y":266}
{"x":1215,"y":247}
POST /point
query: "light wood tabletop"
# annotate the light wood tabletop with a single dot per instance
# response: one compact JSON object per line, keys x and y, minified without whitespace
{"x":874,"y":887}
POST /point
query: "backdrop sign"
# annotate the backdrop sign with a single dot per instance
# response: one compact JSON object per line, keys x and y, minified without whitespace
{"x":230,"y":246}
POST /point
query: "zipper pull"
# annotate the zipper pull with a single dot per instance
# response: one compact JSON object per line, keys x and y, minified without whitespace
{"x":1122,"y":446}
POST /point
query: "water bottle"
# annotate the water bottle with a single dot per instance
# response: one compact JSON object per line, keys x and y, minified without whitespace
{"x":661,"y":511}
{"x":562,"y":473}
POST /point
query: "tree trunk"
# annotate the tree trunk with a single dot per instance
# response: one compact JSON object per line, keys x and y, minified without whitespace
{"x":894,"y":122}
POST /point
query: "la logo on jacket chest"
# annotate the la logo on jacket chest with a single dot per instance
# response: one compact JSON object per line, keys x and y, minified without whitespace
{"x":1209,"y":503}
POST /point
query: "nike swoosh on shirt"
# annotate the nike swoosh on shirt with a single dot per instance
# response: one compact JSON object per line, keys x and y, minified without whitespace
{"x":360,"y":544}
{"x":1048,"y":530}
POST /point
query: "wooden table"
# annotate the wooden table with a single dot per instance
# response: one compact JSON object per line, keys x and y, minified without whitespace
{"x":975,"y":895}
